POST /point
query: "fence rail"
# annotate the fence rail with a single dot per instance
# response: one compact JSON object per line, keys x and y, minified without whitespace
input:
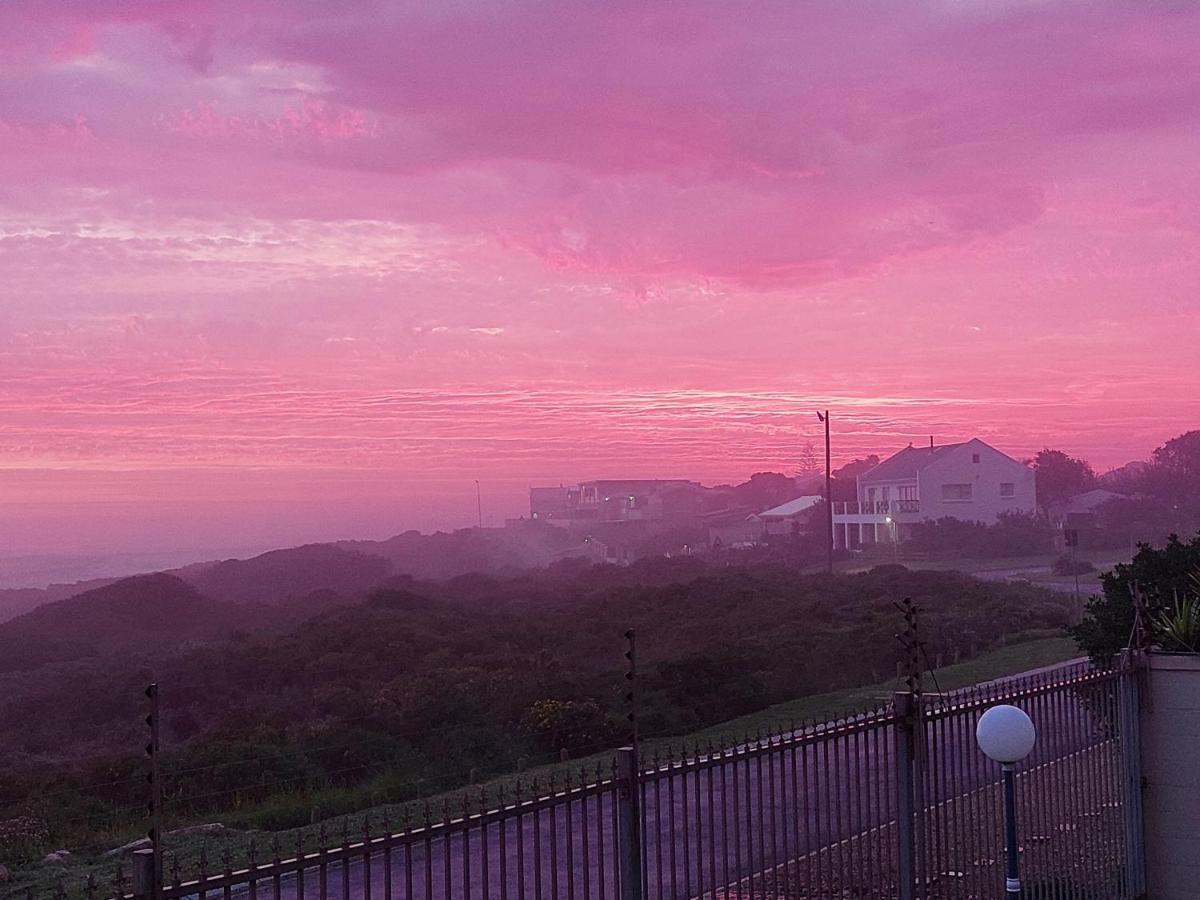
{"x":890,"y":802}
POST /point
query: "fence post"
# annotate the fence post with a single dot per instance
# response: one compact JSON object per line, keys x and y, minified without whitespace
{"x":1129,"y":706}
{"x":629,"y":818}
{"x":905,"y":733}
{"x":154,"y":780}
{"x":143,"y":874}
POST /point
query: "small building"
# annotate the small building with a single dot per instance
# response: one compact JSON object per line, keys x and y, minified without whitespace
{"x":790,"y":517}
{"x":971,"y":481}
{"x":673,"y":500}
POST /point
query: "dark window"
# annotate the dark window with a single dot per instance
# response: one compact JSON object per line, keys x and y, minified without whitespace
{"x":956,"y":493}
{"x":1008,"y":489}
{"x":974,"y":457}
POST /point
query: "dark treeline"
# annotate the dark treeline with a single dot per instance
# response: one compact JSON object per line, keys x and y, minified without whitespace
{"x":419,"y":683}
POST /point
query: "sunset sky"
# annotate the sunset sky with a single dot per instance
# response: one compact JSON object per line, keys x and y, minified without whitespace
{"x":285,"y":270}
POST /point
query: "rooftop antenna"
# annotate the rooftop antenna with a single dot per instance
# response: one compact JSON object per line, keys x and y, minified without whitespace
{"x":931,"y":442}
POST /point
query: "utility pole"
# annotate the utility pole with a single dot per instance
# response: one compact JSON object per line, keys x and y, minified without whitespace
{"x":828,"y":496}
{"x":479,"y":503}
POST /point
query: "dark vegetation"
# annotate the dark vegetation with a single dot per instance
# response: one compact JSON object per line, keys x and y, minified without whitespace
{"x":1165,"y":576}
{"x":420,"y":685}
{"x":1161,"y":496}
{"x":1015,"y":534}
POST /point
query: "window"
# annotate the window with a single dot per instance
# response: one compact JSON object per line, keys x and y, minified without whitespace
{"x":956,"y":493}
{"x":1008,"y":489}
{"x":907,"y":492}
{"x":974,"y":457}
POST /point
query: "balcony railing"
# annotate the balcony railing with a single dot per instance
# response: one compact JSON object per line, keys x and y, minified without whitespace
{"x":876,"y":507}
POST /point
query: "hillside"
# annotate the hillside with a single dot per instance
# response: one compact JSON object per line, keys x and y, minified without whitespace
{"x":18,"y":601}
{"x":448,"y":554}
{"x":283,"y":575}
{"x":429,"y":680}
{"x":141,"y":615}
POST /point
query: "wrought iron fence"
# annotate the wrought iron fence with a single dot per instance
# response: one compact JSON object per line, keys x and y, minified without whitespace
{"x":891,"y":802}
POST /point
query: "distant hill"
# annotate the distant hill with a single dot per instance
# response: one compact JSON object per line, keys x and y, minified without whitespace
{"x":288,"y":575}
{"x":17,"y":601}
{"x":145,"y":612}
{"x":469,"y":550}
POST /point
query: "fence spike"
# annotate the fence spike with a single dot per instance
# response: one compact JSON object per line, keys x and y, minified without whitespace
{"x":275,"y":848}
{"x":366,"y":827}
{"x":427,"y":814}
{"x":175,"y":868}
{"x":203,"y":861}
{"x":321,"y":835}
{"x":252,"y":853}
{"x":446,"y":811}
{"x":226,"y":862}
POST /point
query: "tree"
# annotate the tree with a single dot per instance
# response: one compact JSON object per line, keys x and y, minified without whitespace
{"x":1175,"y":471}
{"x":1160,"y":574}
{"x":809,"y":462}
{"x":845,"y":479}
{"x":1060,"y":477}
{"x":766,"y":489}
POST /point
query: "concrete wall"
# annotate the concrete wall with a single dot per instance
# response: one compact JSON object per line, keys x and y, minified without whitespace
{"x":1170,"y":732}
{"x":985,"y":478}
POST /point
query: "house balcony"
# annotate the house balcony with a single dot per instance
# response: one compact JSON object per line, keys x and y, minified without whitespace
{"x":874,"y":510}
{"x":859,"y":525}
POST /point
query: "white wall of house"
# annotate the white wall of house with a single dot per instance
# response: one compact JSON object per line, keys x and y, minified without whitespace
{"x":975,"y":483}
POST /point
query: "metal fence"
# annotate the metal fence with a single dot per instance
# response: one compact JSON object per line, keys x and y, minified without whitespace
{"x":892,"y":802}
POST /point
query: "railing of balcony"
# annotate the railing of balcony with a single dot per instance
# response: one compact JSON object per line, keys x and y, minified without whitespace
{"x":876,"y":507}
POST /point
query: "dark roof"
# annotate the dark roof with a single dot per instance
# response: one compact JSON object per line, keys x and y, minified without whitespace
{"x":907,"y":462}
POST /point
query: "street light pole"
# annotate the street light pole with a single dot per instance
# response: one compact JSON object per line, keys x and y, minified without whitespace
{"x":1012,"y":880}
{"x":828,"y":497}
{"x":1006,"y":734}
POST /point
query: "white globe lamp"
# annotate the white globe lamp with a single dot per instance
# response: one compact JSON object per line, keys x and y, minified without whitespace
{"x":1006,"y":735}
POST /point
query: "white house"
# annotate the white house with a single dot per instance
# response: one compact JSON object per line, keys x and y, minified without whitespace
{"x":972,"y":481}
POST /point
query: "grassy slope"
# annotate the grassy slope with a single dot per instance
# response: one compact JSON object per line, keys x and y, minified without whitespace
{"x":1009,"y":660}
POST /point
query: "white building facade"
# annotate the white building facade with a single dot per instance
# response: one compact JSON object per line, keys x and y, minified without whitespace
{"x":971,"y":481}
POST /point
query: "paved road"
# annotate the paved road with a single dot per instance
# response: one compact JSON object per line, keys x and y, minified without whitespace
{"x":733,"y":818}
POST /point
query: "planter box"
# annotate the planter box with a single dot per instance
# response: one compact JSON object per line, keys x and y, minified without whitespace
{"x":1170,"y":744}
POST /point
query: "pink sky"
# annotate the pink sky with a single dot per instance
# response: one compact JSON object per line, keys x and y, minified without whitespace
{"x":276,"y":271}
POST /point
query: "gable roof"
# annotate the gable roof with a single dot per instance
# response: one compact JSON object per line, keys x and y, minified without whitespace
{"x":791,"y":508}
{"x":1089,"y":500}
{"x":907,"y":462}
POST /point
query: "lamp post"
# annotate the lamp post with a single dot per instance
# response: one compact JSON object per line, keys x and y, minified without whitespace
{"x":824,"y":417}
{"x":1005,"y":734}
